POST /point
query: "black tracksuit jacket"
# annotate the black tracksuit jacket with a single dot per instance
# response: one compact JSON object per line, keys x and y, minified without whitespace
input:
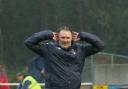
{"x":63,"y":67}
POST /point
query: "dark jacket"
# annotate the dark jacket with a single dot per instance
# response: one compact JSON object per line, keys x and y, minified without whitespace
{"x":25,"y":86}
{"x":35,"y":68}
{"x":63,"y":67}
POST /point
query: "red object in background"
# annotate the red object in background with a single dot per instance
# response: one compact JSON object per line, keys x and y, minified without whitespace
{"x":3,"y":78}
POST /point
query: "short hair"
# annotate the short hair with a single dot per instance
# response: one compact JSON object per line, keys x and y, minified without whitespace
{"x":20,"y":74}
{"x":65,"y":28}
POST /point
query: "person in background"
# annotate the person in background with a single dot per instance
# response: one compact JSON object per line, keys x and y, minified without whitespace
{"x":35,"y":68}
{"x":27,"y":82}
{"x":3,"y":78}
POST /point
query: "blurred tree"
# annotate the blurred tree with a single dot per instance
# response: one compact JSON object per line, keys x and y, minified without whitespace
{"x":1,"y":47}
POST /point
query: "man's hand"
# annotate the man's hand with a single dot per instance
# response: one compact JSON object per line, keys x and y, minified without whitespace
{"x":75,"y":36}
{"x":55,"y":36}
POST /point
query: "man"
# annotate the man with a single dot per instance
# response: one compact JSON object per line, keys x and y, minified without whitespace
{"x":64,"y":59}
{"x":27,"y":82}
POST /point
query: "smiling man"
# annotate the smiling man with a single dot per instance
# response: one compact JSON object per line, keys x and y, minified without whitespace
{"x":64,"y":59}
{"x":65,"y":38}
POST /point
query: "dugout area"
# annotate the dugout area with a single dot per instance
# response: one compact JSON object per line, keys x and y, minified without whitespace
{"x":110,"y":70}
{"x":105,"y":69}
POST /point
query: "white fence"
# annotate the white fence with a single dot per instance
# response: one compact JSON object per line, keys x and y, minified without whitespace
{"x":42,"y":84}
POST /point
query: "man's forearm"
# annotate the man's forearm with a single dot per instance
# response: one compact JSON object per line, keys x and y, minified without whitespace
{"x":92,"y":39}
{"x":36,"y":38}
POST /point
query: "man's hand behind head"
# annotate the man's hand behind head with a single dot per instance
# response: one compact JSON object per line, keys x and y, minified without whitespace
{"x":55,"y":36}
{"x":75,"y":36}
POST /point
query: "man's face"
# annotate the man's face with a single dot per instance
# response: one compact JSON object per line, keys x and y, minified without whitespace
{"x":65,"y":39}
{"x":19,"y":78}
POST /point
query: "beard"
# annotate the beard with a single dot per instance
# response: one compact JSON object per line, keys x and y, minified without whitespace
{"x":65,"y":44}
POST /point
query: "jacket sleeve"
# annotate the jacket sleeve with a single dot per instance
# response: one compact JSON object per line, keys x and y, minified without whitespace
{"x":26,"y":85}
{"x":19,"y":86}
{"x":95,"y":43}
{"x":33,"y":42}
